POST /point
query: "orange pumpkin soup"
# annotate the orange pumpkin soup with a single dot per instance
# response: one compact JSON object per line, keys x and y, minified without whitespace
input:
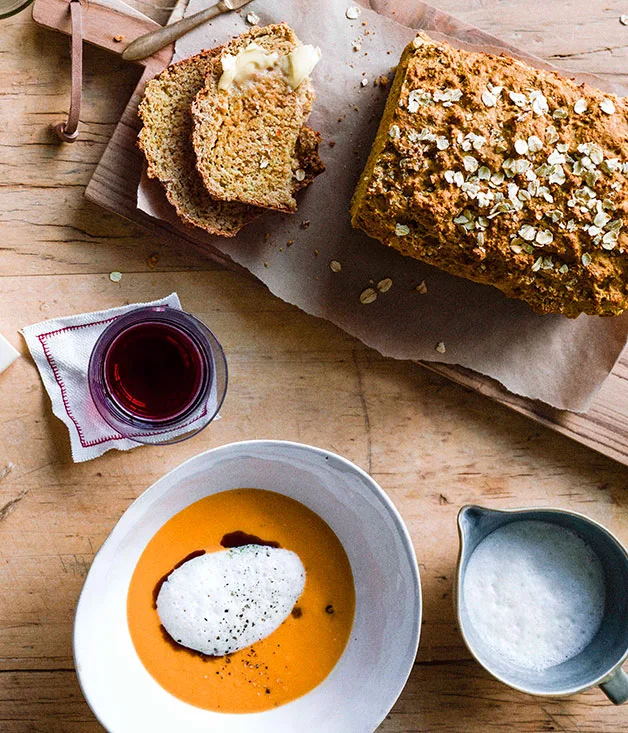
{"x":296,"y":657}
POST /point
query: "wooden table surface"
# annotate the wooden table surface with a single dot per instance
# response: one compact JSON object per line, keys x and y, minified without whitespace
{"x":432,"y":445}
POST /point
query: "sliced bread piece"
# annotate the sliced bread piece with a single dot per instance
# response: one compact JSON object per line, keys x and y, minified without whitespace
{"x":247,"y":119}
{"x":166,"y":142}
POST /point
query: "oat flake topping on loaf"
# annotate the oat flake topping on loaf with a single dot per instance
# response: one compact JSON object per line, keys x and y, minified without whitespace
{"x":505,"y":175}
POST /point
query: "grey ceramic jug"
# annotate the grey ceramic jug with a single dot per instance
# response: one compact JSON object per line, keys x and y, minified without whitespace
{"x":600,"y":662}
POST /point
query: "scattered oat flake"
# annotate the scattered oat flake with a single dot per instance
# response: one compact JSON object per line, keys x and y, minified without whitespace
{"x":384,"y":285}
{"x":623,"y":19}
{"x":607,"y":106}
{"x":586,"y":259}
{"x":580,"y":106}
{"x":353,"y":12}
{"x":364,"y":82}
{"x":401,"y":230}
{"x":421,"y":288}
{"x":252,"y":18}
{"x":368,"y":296}
{"x":440,"y":347}
{"x":152,"y":261}
{"x":335,"y":266}
{"x":4,"y":472}
{"x":264,"y":163}
{"x":115,"y":276}
{"x":300,"y":174}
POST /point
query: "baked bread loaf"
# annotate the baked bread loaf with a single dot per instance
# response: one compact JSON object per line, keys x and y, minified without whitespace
{"x":166,"y":140}
{"x":247,"y":120}
{"x":503,"y":174}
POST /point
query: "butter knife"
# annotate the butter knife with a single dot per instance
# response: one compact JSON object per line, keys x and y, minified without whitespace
{"x":149,"y":43}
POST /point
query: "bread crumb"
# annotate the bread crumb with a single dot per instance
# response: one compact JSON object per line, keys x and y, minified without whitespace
{"x":440,"y":347}
{"x":118,"y":38}
{"x":384,"y":285}
{"x":421,"y":288}
{"x":335,"y":266}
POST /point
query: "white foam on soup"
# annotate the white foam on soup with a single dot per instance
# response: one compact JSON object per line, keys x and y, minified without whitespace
{"x":535,"y":593}
{"x":224,"y":601}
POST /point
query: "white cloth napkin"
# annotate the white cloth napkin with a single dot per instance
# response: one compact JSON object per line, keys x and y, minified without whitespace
{"x":8,"y":354}
{"x":61,"y":349}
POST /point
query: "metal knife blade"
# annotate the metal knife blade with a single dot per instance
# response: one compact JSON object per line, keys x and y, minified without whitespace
{"x":121,"y":7}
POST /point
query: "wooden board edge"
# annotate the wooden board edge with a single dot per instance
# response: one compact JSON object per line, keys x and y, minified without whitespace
{"x":101,"y":26}
{"x":562,"y":421}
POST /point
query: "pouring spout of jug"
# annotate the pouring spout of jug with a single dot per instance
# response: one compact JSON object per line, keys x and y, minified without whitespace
{"x":474,"y":524}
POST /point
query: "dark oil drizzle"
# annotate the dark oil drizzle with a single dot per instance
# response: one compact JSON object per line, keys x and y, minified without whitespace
{"x":240,"y":538}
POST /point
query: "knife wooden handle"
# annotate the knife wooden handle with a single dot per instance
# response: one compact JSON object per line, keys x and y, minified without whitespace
{"x":149,"y":43}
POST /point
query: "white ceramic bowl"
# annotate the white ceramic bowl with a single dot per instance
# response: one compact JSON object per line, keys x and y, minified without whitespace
{"x":374,"y":667}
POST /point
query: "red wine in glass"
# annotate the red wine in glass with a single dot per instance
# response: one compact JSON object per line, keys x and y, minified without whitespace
{"x":154,"y":371}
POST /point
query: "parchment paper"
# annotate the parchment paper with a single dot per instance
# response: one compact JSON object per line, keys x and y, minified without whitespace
{"x":551,"y":358}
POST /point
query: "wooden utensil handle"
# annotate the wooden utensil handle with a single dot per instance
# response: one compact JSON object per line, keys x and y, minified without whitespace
{"x":147,"y":44}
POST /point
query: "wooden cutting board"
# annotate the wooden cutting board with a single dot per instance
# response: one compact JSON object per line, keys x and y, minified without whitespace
{"x":114,"y":184}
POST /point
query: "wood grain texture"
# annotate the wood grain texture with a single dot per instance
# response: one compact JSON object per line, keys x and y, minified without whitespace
{"x":482,"y":705}
{"x":430,"y":443}
{"x":114,"y":183}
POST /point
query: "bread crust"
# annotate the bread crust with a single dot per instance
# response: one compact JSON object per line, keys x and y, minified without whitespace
{"x":496,"y":172}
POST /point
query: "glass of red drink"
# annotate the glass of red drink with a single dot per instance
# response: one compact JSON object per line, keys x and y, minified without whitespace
{"x":157,"y":375}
